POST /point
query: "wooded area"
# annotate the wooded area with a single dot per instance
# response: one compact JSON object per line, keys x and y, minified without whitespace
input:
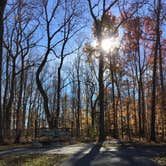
{"x":95,"y":67}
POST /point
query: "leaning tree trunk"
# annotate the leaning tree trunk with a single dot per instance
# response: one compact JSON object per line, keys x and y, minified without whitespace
{"x":42,"y":91}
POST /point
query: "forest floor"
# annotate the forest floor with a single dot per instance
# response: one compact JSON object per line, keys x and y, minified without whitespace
{"x":114,"y":153}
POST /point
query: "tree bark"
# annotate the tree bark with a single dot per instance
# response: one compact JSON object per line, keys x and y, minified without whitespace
{"x":113,"y":103}
{"x":43,"y":93}
{"x":128,"y":112}
{"x":11,"y":98}
{"x":78,"y":99}
{"x":2,"y":9}
{"x":153,"y":99}
{"x":101,"y":98}
{"x":19,"y":107}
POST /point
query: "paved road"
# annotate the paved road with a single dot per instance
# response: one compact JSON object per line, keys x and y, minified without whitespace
{"x":52,"y":149}
{"x":116,"y":156}
{"x":97,"y":155}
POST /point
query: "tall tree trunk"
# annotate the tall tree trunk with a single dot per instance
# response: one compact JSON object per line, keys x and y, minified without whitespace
{"x":11,"y":98}
{"x":37,"y":117}
{"x":128,"y":112}
{"x":2,"y":9}
{"x":78,"y":101}
{"x":73,"y":108}
{"x":163,"y":96}
{"x":153,"y":100}
{"x":101,"y":85}
{"x":78,"y":111}
{"x":143,"y":108}
{"x":6,"y":91}
{"x":42,"y":91}
{"x":101,"y":98}
{"x":92,"y":114}
{"x":140,"y":110}
{"x":19,"y":105}
{"x":93,"y":111}
{"x":25,"y":100}
{"x":121,"y":117}
{"x":135,"y":112}
{"x":58,"y":97}
{"x":121,"y":111}
{"x":58,"y":91}
{"x":113,"y":104}
{"x":141,"y":93}
{"x":87,"y":107}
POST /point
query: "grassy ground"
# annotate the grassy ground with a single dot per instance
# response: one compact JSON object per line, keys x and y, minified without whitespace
{"x":161,"y":160}
{"x":32,"y":160}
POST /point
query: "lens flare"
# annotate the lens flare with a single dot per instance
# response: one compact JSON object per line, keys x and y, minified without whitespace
{"x":110,"y":44}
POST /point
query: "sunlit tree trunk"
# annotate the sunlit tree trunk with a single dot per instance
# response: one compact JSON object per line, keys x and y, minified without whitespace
{"x":25,"y":100}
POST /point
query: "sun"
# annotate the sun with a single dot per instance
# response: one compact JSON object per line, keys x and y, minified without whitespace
{"x":106,"y":44}
{"x":109,"y":44}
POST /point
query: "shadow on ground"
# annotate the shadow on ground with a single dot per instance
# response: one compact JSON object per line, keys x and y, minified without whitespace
{"x":86,"y":160}
{"x":94,"y":155}
{"x":120,"y":156}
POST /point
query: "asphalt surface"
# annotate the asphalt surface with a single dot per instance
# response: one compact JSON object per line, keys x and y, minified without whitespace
{"x":116,"y":156}
{"x":92,"y":154}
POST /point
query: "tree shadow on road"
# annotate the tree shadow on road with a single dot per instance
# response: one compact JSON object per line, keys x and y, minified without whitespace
{"x":88,"y":158}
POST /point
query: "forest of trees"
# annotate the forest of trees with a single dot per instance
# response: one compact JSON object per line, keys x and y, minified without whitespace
{"x":96,"y":67}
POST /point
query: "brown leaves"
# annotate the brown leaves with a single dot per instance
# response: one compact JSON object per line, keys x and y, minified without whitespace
{"x":107,"y":24}
{"x":89,"y":50}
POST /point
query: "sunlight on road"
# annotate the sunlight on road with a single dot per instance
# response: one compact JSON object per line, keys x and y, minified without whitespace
{"x":71,"y":149}
{"x":112,"y":149}
{"x":108,"y":149}
{"x":80,"y":148}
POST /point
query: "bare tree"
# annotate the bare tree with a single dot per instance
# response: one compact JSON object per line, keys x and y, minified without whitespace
{"x":65,"y":26}
{"x":70,"y":29}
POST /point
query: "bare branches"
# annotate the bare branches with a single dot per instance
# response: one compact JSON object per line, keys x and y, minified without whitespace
{"x":105,"y":10}
{"x":91,"y":10}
